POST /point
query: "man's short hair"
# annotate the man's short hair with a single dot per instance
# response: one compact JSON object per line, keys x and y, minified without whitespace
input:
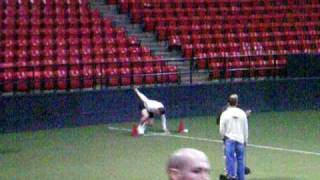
{"x":233,"y":100}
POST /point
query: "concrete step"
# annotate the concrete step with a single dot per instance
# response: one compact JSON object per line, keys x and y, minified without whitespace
{"x":101,"y":1}
{"x":148,"y":39}
{"x":144,"y":35}
{"x":183,"y":69}
{"x":130,"y":28}
{"x":107,"y":8}
{"x":97,"y":3}
{"x":178,"y":64}
{"x":162,"y":53}
{"x":117,"y":19}
{"x":154,"y":44}
{"x":157,"y":49}
{"x":134,"y":26}
{"x":185,"y":79}
{"x":176,"y":60}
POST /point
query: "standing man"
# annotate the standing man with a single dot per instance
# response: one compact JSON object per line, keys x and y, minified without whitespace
{"x":234,"y":131}
{"x":188,"y":164}
{"x":248,"y":113}
{"x":149,"y":110}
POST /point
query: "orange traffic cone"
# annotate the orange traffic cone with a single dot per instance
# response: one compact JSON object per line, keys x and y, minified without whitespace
{"x":134,"y":131}
{"x":181,"y":126}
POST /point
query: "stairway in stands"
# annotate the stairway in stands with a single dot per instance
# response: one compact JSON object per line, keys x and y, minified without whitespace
{"x":149,"y":39}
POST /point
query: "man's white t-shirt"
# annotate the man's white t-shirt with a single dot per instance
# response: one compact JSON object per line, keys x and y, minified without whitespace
{"x":234,"y":124}
{"x":150,"y":105}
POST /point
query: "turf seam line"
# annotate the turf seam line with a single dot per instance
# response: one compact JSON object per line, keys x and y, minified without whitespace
{"x":219,"y":141}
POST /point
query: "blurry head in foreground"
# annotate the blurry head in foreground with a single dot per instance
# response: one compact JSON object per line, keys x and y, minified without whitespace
{"x":188,"y":164}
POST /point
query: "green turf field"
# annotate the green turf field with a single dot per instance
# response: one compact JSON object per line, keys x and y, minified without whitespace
{"x":289,"y":150}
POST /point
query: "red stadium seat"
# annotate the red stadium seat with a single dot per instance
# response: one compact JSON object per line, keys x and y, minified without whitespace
{"x":48,"y":76}
{"x":74,"y":59}
{"x":260,"y":64}
{"x":136,"y":61}
{"x":9,"y":55}
{"x":124,"y":62}
{"x":112,"y":53}
{"x":8,"y":78}
{"x":23,"y":34}
{"x":149,"y":75}
{"x":161,"y":30}
{"x":62,"y":75}
{"x":137,"y":75}
{"x":173,"y":74}
{"x":216,"y":67}
{"x":161,"y":75}
{"x":125,"y":74}
{"x":74,"y":75}
{"x":23,"y":22}
{"x":35,"y":79}
{"x":149,"y":24}
{"x":148,"y":60}
{"x":100,"y":75}
{"x":87,"y":74}
{"x":22,"y":43}
{"x":113,"y":77}
{"x":202,"y":60}
{"x":122,"y":52}
{"x":145,"y":51}
{"x":187,"y":50}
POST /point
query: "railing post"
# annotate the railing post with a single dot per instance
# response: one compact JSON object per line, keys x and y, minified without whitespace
{"x":191,"y":69}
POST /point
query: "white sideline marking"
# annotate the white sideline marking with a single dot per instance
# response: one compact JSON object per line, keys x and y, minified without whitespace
{"x":219,"y":141}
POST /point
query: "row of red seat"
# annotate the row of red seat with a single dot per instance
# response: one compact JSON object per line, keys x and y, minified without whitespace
{"x":256,"y":66}
{"x":48,"y":11}
{"x":110,"y":35}
{"x":164,"y":32}
{"x":65,"y":40}
{"x":179,"y":40}
{"x":126,"y":5}
{"x":113,"y":46}
{"x":45,"y":23}
{"x":223,"y":11}
{"x":151,"y":24}
{"x":215,"y":19}
{"x":39,"y":3}
{"x":248,"y":49}
{"x":36,"y":62}
{"x":86,"y":77}
{"x":138,"y":14}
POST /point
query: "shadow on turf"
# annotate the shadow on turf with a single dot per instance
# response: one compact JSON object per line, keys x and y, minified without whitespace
{"x":9,"y":151}
{"x":274,"y":178}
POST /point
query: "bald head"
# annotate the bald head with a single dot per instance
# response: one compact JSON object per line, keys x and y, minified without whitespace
{"x":188,"y":164}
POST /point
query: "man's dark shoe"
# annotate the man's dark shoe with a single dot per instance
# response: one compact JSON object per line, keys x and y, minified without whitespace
{"x":223,"y":177}
{"x":247,"y":170}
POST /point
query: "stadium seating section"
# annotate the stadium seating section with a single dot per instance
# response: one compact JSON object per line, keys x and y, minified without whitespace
{"x":63,"y":44}
{"x":232,"y":38}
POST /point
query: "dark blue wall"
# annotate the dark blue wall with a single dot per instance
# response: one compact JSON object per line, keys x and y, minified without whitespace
{"x":34,"y":112}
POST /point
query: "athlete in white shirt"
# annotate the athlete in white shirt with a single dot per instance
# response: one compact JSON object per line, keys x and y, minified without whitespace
{"x":248,"y":112}
{"x":151,"y":108}
{"x":234,"y":131}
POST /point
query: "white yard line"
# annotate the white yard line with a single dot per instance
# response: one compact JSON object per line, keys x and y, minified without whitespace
{"x":219,"y":141}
